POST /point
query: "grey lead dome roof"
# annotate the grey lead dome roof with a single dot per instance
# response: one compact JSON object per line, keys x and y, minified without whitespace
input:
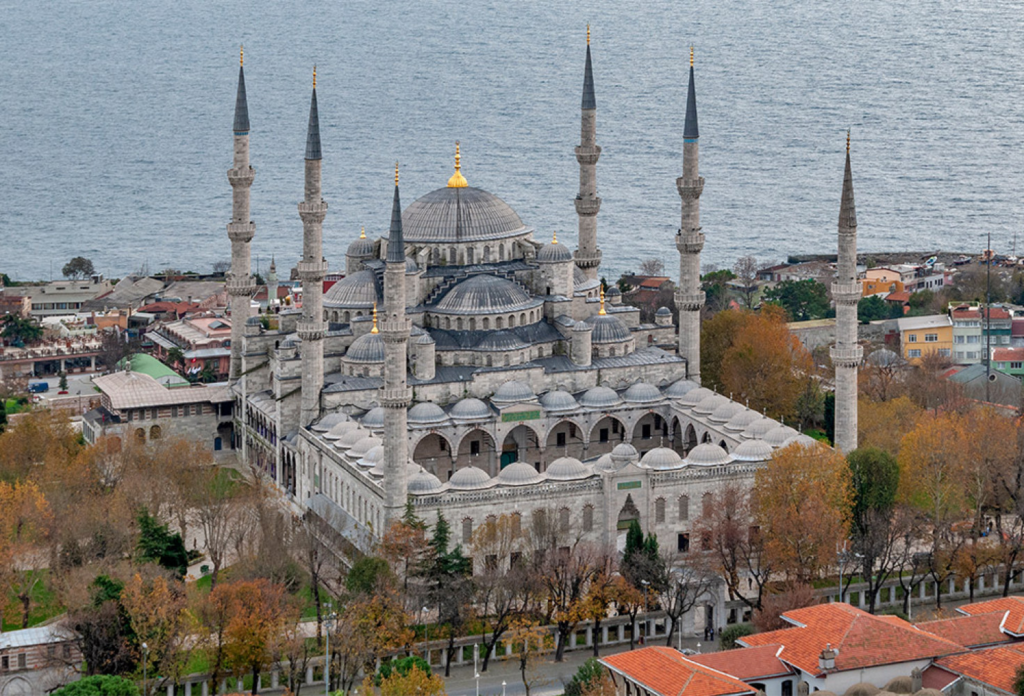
{"x":600,"y":397}
{"x":680,"y":388}
{"x":558,"y":400}
{"x":360,"y":248}
{"x":753,"y":451}
{"x":485,"y":294}
{"x":368,"y":348}
{"x":374,"y":418}
{"x":357,"y":291}
{"x":471,"y":409}
{"x":425,"y":413}
{"x":662,"y":458}
{"x":555,"y":252}
{"x":518,"y":474}
{"x":469,"y":478}
{"x":608,"y":329}
{"x":460,"y":215}
{"x":423,"y":482}
{"x":567,"y":469}
{"x":513,"y":391}
{"x":642,"y":393}
{"x":707,"y":455}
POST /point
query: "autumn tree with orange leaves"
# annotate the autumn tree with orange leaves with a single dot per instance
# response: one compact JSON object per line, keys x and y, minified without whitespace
{"x":802,"y":502}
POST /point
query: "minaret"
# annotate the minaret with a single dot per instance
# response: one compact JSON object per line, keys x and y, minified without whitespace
{"x":690,"y":240}
{"x":846,"y":291}
{"x":395,"y":395}
{"x":272,"y":285}
{"x":588,"y":256}
{"x":312,"y":269}
{"x":241,"y":286}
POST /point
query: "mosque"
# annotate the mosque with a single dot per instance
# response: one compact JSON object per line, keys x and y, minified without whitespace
{"x":473,"y":368}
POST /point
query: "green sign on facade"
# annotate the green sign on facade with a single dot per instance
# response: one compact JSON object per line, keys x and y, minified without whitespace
{"x":627,"y":485}
{"x":521,"y":416}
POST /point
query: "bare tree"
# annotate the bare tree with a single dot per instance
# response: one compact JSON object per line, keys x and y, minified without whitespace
{"x":690,"y":578}
{"x":220,"y":267}
{"x":652,"y":267}
{"x":746,"y":273}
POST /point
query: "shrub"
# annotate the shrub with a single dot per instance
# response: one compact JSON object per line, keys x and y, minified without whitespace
{"x":730,"y":634}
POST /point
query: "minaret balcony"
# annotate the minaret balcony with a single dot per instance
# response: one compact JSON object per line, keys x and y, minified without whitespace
{"x":241,"y":231}
{"x":690,"y":188}
{"x":847,"y":292}
{"x":240,"y":286}
{"x":395,"y":397}
{"x":690,"y":302}
{"x":846,"y":356}
{"x":588,"y":207}
{"x":311,"y":211}
{"x":587,"y":260}
{"x":588,"y":154}
{"x":311,"y":270}
{"x":241,"y":177}
{"x":691,"y":242}
{"x":310,"y":330}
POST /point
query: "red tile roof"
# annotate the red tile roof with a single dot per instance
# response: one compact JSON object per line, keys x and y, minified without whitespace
{"x":901,"y":296}
{"x":861,"y":639}
{"x":1006,"y":354}
{"x":996,"y":667}
{"x":1014,"y":623}
{"x":746,"y":664}
{"x":968,"y":312}
{"x":165,"y":306}
{"x":665,"y":672}
{"x":937,"y":678}
{"x":971,"y":631}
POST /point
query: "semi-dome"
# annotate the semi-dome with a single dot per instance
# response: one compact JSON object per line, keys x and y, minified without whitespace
{"x":485,"y":294}
{"x":752,"y":451}
{"x":695,"y":396}
{"x":357,"y":291}
{"x":558,"y":400}
{"x":708,"y":404}
{"x":361,"y":248}
{"x":740,"y":421}
{"x":373,"y":456}
{"x":424,"y":339}
{"x":349,"y":439}
{"x":600,"y":397}
{"x":642,"y":393}
{"x":463,"y":214}
{"x":340,"y":429}
{"x":360,"y":448}
{"x":423,"y":482}
{"x":374,"y":418}
{"x":608,"y":329}
{"x":759,"y":428}
{"x":725,"y":412}
{"x":513,"y":391}
{"x":469,"y":478}
{"x":518,"y":474}
{"x":680,"y":388}
{"x":567,"y":469}
{"x":580,"y":281}
{"x":707,"y":454}
{"x":623,"y":454}
{"x":662,"y":458}
{"x":426,"y":413}
{"x":328,"y":422}
{"x":501,"y":340}
{"x":368,"y":348}
{"x":605,"y":463}
{"x":555,"y":252}
{"x":780,"y":435}
{"x":471,"y":409}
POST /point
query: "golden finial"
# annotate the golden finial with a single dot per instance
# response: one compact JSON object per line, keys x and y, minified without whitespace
{"x":554,"y":237}
{"x":241,"y":56}
{"x":374,"y":329}
{"x":396,"y":173}
{"x":691,"y":56}
{"x":602,"y":312}
{"x":457,"y":180}
{"x":588,"y":33}
{"x":362,"y":233}
{"x":847,"y":141}
{"x":314,"y":76}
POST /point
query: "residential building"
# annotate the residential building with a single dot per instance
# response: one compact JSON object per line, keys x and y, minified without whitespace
{"x":11,"y":303}
{"x":204,"y":341}
{"x":987,"y":672}
{"x":972,"y":334}
{"x":51,"y":356}
{"x":130,"y":293}
{"x":1017,"y":332}
{"x":1009,"y":361}
{"x":921,"y":336}
{"x":38,"y":660}
{"x":65,"y":296}
{"x":874,"y":286}
{"x":912,"y":277}
{"x":987,"y":386}
{"x":661,"y":671}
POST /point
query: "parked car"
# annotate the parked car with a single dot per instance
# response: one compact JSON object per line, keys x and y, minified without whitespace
{"x":39,"y":387}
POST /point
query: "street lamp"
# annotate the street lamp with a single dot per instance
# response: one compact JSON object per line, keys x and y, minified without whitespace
{"x":145,"y":656}
{"x":502,"y":687}
{"x":426,"y":633}
{"x":477,"y":677}
{"x":645,"y":584}
{"x":327,"y":656}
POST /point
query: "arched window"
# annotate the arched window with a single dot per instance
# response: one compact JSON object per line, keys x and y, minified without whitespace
{"x":522,"y":319}
{"x":458,"y":323}
{"x":467,"y":530}
{"x":563,"y":520}
{"x":487,"y":323}
{"x":611,"y":352}
{"x":452,"y":256}
{"x":588,"y":518}
{"x":472,"y":324}
{"x":501,"y":252}
{"x":140,"y":435}
{"x":469,"y":255}
{"x":516,"y":520}
{"x":659,"y":510}
{"x":684,"y":508}
{"x":511,"y":321}
{"x":447,"y":322}
{"x":539,"y":522}
{"x":706,"y":502}
{"x":155,"y":433}
{"x":498,"y":323}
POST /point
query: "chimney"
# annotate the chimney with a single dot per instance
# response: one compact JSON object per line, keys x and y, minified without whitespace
{"x":915,"y":680}
{"x":827,"y":659}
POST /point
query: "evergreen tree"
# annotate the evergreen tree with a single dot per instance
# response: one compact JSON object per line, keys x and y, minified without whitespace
{"x":830,"y":417}
{"x":642,"y":561}
{"x":3,"y":415}
{"x":158,"y":545}
{"x":63,"y":384}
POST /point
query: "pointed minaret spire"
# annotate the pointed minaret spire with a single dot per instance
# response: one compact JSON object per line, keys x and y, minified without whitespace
{"x":396,"y":240}
{"x":313,"y":131}
{"x":589,"y":101}
{"x":588,"y":254}
{"x":690,"y":129}
{"x":846,"y":353}
{"x":241,"y":105}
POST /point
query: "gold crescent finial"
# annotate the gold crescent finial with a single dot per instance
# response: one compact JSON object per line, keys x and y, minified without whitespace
{"x":847,"y":141}
{"x":362,"y":233}
{"x":314,"y":75}
{"x":691,"y":56}
{"x":241,"y":55}
{"x":554,"y":237}
{"x":588,"y":33}
{"x":374,"y":329}
{"x":602,"y":312}
{"x":396,"y":173}
{"x":457,"y":180}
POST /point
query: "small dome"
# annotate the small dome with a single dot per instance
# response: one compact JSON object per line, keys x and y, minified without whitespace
{"x":360,"y":248}
{"x":518,"y":474}
{"x":469,"y":478}
{"x":512,"y":392}
{"x":426,"y":413}
{"x":555,"y":252}
{"x":374,"y":419}
{"x":759,"y":428}
{"x":471,"y":409}
{"x":741,"y":420}
{"x":725,"y":412}
{"x":695,"y":396}
{"x":708,"y":404}
{"x":600,"y":397}
{"x":252,"y":321}
{"x":806,"y":440}
{"x":608,"y":329}
{"x":373,"y":456}
{"x":662,"y":458}
{"x":707,"y":455}
{"x":357,"y":291}
{"x":423,"y":482}
{"x":605,"y":463}
{"x":883,"y":357}
{"x":328,"y":422}
{"x":780,"y":435}
{"x":623,"y":454}
{"x":377,"y":471}
{"x":349,"y":439}
{"x":663,"y":312}
{"x":680,"y":388}
{"x":424,"y":339}
{"x":642,"y":393}
{"x":752,"y":451}
{"x":613,"y":290}
{"x":485,"y":294}
{"x":558,"y":401}
{"x":567,"y":469}
{"x":340,"y":429}
{"x":862,"y":689}
{"x":360,"y":448}
{"x":581,"y":327}
{"x":368,"y":348}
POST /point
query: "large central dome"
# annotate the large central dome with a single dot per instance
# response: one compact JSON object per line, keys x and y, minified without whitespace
{"x":460,"y":214}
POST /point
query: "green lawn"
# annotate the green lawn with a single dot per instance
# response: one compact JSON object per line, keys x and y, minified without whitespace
{"x":44,"y":604}
{"x":13,"y":406}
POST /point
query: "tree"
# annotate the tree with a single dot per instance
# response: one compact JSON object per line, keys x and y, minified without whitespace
{"x":586,"y":678}
{"x":652,"y":267}
{"x":370,"y":627}
{"x":449,"y":585}
{"x":716,"y":289}
{"x":928,"y":387}
{"x":629,"y":600}
{"x":1018,"y":681}
{"x":78,"y":268}
{"x":883,"y":374}
{"x":529,"y":643}
{"x":176,"y":358}
{"x":20,"y":331}
{"x":566,"y":575}
{"x":830,"y":416}
{"x":802,"y":502}
{"x":882,"y":424}
{"x":99,"y":685}
{"x":872,"y":308}
{"x":24,"y":524}
{"x":641,"y":563}
{"x":746,"y":273}
{"x":105,"y":636}
{"x":367,"y":575}
{"x":803,"y":300}
{"x":875,"y":476}
{"x":63,"y":383}
{"x":730,"y":634}
{"x":791,"y":596}
{"x":414,"y":680}
{"x":158,"y":612}
{"x":689,"y":580}
{"x":158,"y":545}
